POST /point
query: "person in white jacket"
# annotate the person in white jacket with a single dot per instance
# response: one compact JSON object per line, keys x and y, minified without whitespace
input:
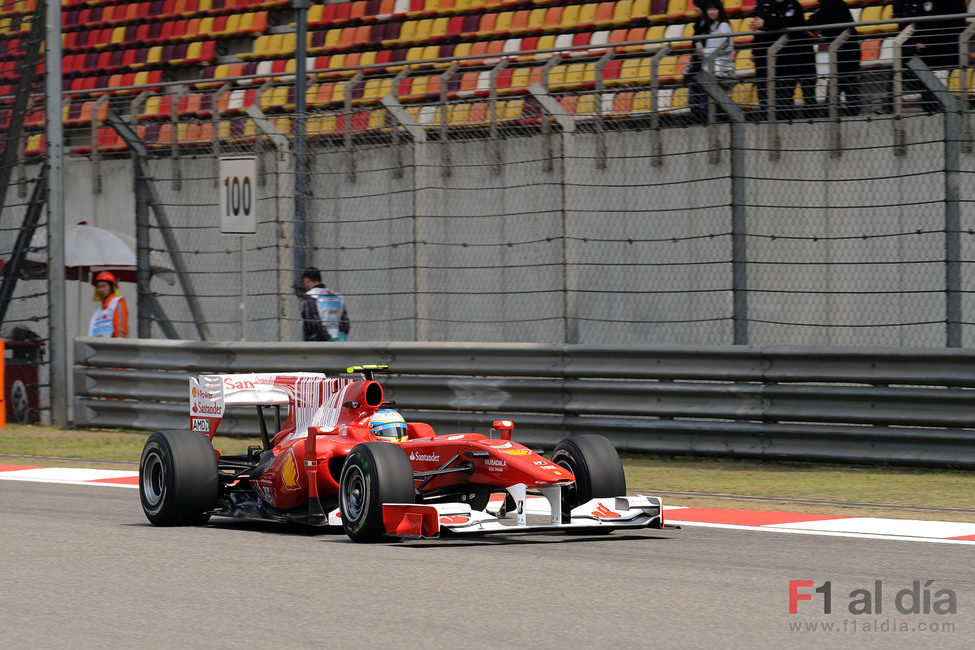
{"x":716,"y":23}
{"x":714,"y":54}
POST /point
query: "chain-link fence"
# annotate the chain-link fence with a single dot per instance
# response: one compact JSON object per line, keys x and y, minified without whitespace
{"x":589,"y":192}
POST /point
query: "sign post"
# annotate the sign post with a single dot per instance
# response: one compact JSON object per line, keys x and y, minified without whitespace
{"x":238,"y":213}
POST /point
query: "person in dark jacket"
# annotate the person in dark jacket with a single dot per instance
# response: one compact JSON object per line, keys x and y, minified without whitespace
{"x":831,"y":12}
{"x":796,"y":62}
{"x":323,"y":314}
{"x":935,"y":41}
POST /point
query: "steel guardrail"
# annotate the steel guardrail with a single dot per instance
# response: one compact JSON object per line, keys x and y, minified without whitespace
{"x":870,"y":405}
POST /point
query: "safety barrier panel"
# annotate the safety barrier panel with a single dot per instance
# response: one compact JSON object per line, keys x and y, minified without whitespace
{"x":865,"y":405}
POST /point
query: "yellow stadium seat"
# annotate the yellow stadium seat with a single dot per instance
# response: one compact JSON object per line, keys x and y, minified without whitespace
{"x":406,"y":33}
{"x":876,"y":12}
{"x":955,"y":78}
{"x":457,"y":114}
{"x":570,"y":18}
{"x":744,"y":64}
{"x":642,"y":102}
{"x":546,"y":42}
{"x":462,"y":49}
{"x":423,"y":30}
{"x":575,"y":73}
{"x":745,"y":95}
{"x":438,"y":28}
{"x":536,"y":20}
{"x":586,"y":106}
{"x":511,"y":110}
{"x":621,"y":12}
{"x":315,"y":14}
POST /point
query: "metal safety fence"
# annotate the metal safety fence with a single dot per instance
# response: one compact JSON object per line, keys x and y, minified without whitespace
{"x":586,"y":190}
{"x":866,"y":405}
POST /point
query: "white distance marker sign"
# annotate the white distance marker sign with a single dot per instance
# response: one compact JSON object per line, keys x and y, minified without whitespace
{"x":238,"y":204}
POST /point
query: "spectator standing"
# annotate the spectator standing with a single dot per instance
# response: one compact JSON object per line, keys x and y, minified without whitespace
{"x":796,"y":61}
{"x":111,"y":319}
{"x":714,"y":21}
{"x":323,"y":314}
{"x":935,"y":41}
{"x":847,"y":58}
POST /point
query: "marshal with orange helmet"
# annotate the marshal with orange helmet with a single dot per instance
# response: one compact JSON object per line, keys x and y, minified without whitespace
{"x":111,"y":319}
{"x":344,"y":457}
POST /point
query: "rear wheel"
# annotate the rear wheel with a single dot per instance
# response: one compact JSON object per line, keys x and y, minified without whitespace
{"x":178,"y":481}
{"x":596,"y":465}
{"x":374,"y":473}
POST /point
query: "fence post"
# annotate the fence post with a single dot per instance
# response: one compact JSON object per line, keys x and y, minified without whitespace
{"x":349,"y":124}
{"x":964,"y":48}
{"x":835,"y":132}
{"x":493,"y":106}
{"x":282,"y":242}
{"x":952,"y":142}
{"x":444,"y":139}
{"x":600,"y":125}
{"x":567,"y":125}
{"x":546,"y":124}
{"x":656,"y":145}
{"x":739,"y":258}
{"x":898,"y":88}
{"x":390,"y":100}
{"x":775,"y":141}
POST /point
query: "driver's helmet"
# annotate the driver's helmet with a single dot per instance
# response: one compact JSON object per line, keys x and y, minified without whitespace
{"x":388,"y":425}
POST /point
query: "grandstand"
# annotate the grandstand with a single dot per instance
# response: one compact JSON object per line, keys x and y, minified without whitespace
{"x":228,"y":49}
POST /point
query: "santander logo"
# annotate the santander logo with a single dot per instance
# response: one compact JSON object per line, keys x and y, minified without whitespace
{"x":429,"y":458}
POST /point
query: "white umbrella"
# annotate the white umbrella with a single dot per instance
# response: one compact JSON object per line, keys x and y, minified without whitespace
{"x":89,"y":249}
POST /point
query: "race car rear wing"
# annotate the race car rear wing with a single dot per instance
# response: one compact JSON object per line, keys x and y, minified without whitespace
{"x":314,"y":399}
{"x":211,"y":394}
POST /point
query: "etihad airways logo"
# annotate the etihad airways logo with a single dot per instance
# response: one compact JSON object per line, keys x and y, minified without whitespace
{"x":429,"y":458}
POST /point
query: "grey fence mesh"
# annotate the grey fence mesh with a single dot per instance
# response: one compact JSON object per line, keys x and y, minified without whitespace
{"x":573,"y":195}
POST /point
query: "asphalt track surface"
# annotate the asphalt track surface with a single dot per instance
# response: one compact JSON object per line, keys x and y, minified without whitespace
{"x":82,"y":568}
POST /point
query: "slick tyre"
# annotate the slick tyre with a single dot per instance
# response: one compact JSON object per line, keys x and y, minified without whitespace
{"x":374,"y":473}
{"x":595,"y":463}
{"x":178,"y":481}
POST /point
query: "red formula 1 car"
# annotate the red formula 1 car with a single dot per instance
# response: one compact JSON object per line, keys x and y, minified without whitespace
{"x":344,"y":458}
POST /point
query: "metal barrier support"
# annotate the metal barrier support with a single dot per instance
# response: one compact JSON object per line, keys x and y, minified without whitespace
{"x":656,"y":144}
{"x":897,"y":98}
{"x":774,"y":139}
{"x":964,"y":64}
{"x":835,"y":133}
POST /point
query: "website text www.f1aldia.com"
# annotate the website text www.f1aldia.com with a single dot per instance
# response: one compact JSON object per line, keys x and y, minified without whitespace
{"x":875,"y":626}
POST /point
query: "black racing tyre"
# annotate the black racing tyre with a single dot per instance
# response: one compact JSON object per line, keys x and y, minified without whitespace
{"x":178,"y":481}
{"x":374,"y":473}
{"x":595,"y":463}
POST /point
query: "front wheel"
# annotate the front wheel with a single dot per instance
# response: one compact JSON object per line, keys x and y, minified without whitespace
{"x":596,"y":465}
{"x":178,"y":481}
{"x":374,"y":473}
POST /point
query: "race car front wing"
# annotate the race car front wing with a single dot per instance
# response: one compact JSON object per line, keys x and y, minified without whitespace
{"x":418,"y":521}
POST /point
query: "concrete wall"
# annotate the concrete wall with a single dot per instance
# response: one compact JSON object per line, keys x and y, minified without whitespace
{"x":626,"y":253}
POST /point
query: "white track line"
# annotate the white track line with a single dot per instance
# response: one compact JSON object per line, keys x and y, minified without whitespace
{"x":907,"y":530}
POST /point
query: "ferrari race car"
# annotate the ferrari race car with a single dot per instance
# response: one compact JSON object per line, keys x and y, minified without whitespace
{"x":344,"y":458}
